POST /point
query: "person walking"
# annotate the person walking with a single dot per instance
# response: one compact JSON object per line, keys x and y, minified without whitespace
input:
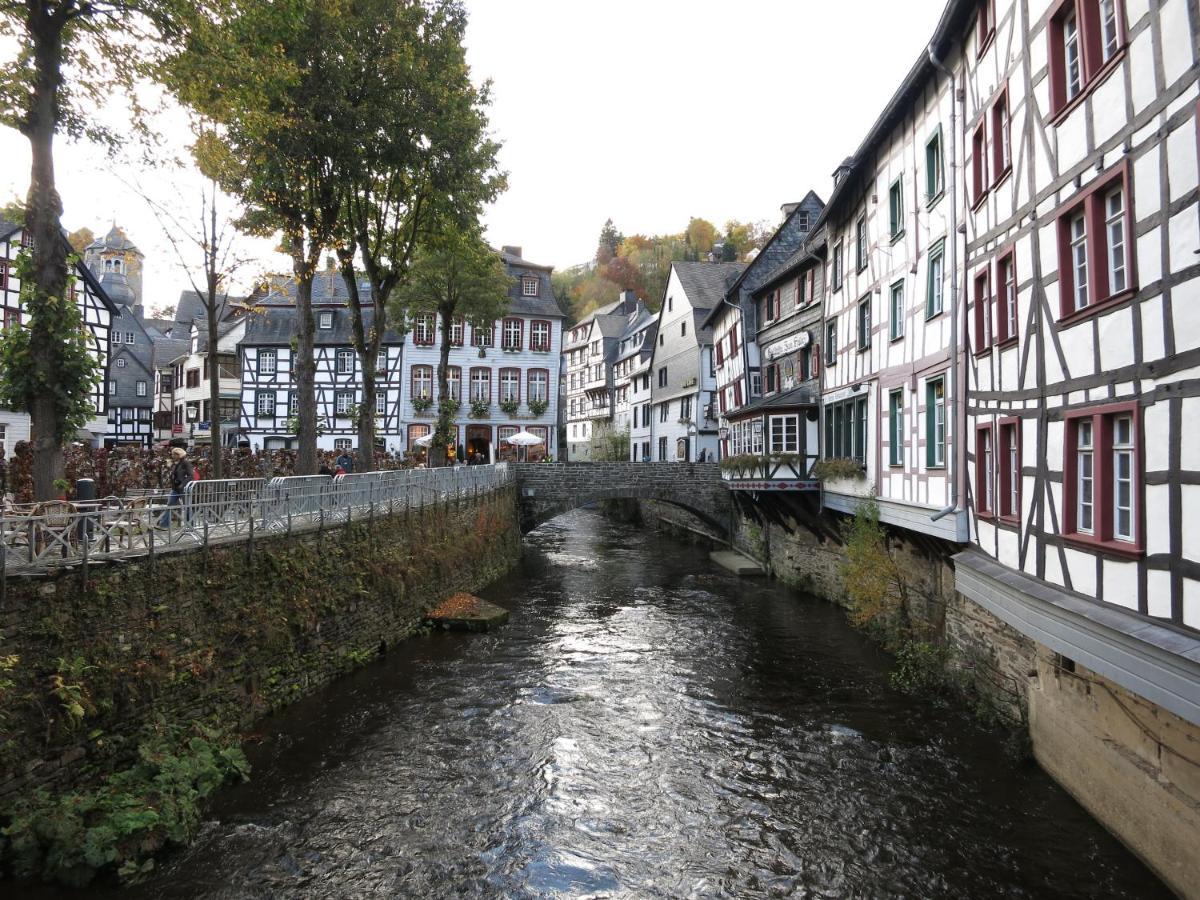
{"x":345,"y":462}
{"x":181,"y":473}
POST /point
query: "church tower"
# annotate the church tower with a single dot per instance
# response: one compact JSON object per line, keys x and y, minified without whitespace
{"x":117,"y":264}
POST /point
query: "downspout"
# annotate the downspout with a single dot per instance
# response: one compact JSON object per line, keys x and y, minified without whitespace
{"x":954,"y":402}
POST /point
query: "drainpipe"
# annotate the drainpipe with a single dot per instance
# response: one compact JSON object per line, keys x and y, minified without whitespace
{"x":960,"y":435}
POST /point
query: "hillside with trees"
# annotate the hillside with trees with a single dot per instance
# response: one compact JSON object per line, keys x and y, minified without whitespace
{"x":641,"y":263}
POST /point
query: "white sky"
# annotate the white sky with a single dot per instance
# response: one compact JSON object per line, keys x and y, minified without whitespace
{"x":645,"y":111}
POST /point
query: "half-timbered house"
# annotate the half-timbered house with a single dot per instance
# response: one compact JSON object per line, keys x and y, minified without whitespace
{"x":589,"y":348}
{"x":96,"y":311}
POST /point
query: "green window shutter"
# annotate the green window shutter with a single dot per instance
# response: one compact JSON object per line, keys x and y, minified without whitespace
{"x":930,"y":456}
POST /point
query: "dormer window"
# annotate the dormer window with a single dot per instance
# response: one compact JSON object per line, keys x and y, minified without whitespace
{"x":325,"y":320}
{"x":529,"y":286}
{"x":802,"y":220}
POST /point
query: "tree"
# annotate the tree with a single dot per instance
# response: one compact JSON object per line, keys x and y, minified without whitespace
{"x":422,"y":161}
{"x":610,"y":240}
{"x":701,"y":234}
{"x":70,"y":55}
{"x":276,"y":87}
{"x":80,"y":239}
{"x":456,"y":276}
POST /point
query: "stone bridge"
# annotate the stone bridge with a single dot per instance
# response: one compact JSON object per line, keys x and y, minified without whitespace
{"x":549,"y":489}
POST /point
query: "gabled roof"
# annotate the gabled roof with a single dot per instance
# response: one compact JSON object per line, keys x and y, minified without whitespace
{"x":276,"y":325}
{"x":705,"y":283}
{"x":9,"y":228}
{"x":114,"y":240}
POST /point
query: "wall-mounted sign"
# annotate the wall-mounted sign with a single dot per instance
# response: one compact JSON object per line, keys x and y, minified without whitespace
{"x":789,"y":344}
{"x":691,"y":382}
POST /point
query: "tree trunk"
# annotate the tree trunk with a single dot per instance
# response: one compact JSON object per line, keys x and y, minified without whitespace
{"x":302,"y":363}
{"x":42,"y":220}
{"x":214,"y":383}
{"x":366,"y":347}
{"x":445,"y":422}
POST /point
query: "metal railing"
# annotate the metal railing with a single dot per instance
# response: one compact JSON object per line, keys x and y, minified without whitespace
{"x":57,"y":534}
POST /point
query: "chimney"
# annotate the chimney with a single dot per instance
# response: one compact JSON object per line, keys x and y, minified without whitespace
{"x":512,"y":251}
{"x":788,"y":208}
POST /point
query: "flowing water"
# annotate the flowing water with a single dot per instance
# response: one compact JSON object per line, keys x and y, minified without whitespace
{"x":645,"y":726}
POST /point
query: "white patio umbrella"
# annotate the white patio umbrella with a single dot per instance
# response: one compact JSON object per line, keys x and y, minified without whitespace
{"x":524,"y":439}
{"x":423,"y":441}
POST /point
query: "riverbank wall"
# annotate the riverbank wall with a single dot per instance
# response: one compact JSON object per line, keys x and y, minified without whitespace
{"x":224,"y":634}
{"x":1132,"y":764}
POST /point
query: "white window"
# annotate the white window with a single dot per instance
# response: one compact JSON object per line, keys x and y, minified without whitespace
{"x":539,"y":386}
{"x":540,"y":336}
{"x":381,"y":404}
{"x":381,"y":363}
{"x":1114,"y":206}
{"x":1110,"y":36}
{"x":129,"y":337}
{"x":513,"y":332}
{"x":456,"y":332}
{"x":784,"y":434}
{"x":422,"y":382}
{"x":345,"y":362}
{"x":510,"y":385}
{"x":266,"y":362}
{"x":483,"y":335}
{"x":325,"y":320}
{"x":266,"y":403}
{"x":1084,"y":461}
{"x":529,"y":287}
{"x":1070,"y":35}
{"x":896,"y":311}
{"x":1122,"y":447}
{"x":141,"y":388}
{"x":481,"y":385}
{"x":342,"y":401}
{"x":986,"y":463}
{"x":120,"y":363}
{"x":116,"y":337}
{"x":1079,"y":259}
{"x":342,"y":444}
{"x":293,"y":403}
{"x":936,"y":411}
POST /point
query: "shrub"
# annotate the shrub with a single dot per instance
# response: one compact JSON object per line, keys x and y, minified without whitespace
{"x":837,"y":468}
{"x":920,"y":668}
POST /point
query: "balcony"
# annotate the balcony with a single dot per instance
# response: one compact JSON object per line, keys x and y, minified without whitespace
{"x":770,"y":472}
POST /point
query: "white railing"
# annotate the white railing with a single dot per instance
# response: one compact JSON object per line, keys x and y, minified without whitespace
{"x":57,"y":534}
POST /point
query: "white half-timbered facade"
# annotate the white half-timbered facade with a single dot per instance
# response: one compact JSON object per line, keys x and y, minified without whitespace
{"x":97,"y":312}
{"x":589,"y":349}
{"x":504,"y":375}
{"x":268,"y":399}
{"x":1083,"y":281}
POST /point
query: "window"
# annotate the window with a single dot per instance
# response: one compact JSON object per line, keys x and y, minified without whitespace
{"x":342,"y":401}
{"x":662,"y":449}
{"x":265,"y":403}
{"x":483,"y":335}
{"x":529,"y":286}
{"x":193,"y":378}
{"x":1101,"y":481}
{"x":934,"y":171}
{"x":539,"y":336}
{"x":979,"y":179}
{"x":266,"y":362}
{"x":510,"y":385}
{"x":422,"y":382}
{"x":846,"y":430}
{"x":112,"y":388}
{"x":1085,"y":36}
{"x":685,"y":407}
{"x":345,"y":362}
{"x":783,"y":434}
{"x":896,"y":311}
{"x":116,"y":337}
{"x":983,"y":312}
{"x":1094,"y":261}
{"x":985,"y":501}
{"x":935,"y":423}
{"x":860,"y":244}
{"x":481,"y":385}
{"x":342,"y":444}
{"x":1001,"y":149}
{"x":457,"y":327}
{"x":663,"y":411}
{"x":129,"y":337}
{"x":423,"y":330}
{"x":454,"y":383}
{"x":293,"y":403}
{"x":864,"y":322}
{"x":140,"y":388}
{"x":985,"y":25}
{"x":1010,"y":470}
{"x":896,"y":427}
{"x":670,"y":303}
{"x":121,"y":363}
{"x":12,"y":318}
{"x":935,"y":279}
{"x":896,"y":209}
{"x":662,"y":377}
{"x":539,"y":386}
{"x":1006,"y":284}
{"x":4,"y":275}
{"x":325,"y":320}
{"x":512,"y":334}
{"x":831,"y":342}
{"x":835,"y":274}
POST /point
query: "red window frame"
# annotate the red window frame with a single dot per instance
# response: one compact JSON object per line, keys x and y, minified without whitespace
{"x":979,"y":179}
{"x":1092,"y":66}
{"x":529,"y":382}
{"x":423,"y":322}
{"x":721,"y":352}
{"x":457,"y":325}
{"x":515,"y":373}
{"x":1001,"y":142}
{"x":733,"y":340}
{"x":505,"y":344}
{"x":478,"y":330}
{"x":721,"y":398}
{"x":1091,"y":200}
{"x":985,"y":26}
{"x":1003,"y":298}
{"x":457,"y":370}
{"x":534,"y":343}
{"x":3,"y":274}
{"x":1009,"y":438}
{"x":415,"y":431}
{"x":984,"y":475}
{"x":412,"y":381}
{"x":1103,"y":486}
{"x":737,"y":394}
{"x":12,"y":317}
{"x":471,"y":383}
{"x":983,"y":310}
{"x":26,"y":238}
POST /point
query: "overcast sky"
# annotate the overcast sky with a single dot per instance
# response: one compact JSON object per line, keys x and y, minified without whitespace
{"x":647,"y":112}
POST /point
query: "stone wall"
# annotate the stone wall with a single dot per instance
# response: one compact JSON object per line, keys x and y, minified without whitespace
{"x":226,"y":634}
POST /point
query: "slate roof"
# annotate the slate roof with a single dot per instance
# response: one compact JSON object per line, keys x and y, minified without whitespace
{"x":167,"y":350}
{"x":276,"y":325}
{"x":705,"y":283}
{"x":797,"y":396}
{"x":190,"y":308}
{"x":114,"y":240}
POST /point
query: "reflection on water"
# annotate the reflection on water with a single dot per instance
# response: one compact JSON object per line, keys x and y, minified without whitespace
{"x":645,"y":726}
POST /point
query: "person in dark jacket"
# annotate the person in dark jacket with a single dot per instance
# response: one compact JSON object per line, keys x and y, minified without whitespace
{"x":181,"y":473}
{"x":344,"y":462}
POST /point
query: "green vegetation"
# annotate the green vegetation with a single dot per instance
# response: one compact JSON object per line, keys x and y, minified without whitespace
{"x":641,"y":263}
{"x":838,"y":469}
{"x":131,"y":815}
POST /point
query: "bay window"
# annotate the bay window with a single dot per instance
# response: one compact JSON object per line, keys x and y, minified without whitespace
{"x":846,"y":430}
{"x":784,"y":434}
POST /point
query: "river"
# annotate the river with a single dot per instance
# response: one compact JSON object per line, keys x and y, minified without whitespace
{"x":645,"y":726}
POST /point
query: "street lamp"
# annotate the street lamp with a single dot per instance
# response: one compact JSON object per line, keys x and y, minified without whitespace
{"x":193,"y":413}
